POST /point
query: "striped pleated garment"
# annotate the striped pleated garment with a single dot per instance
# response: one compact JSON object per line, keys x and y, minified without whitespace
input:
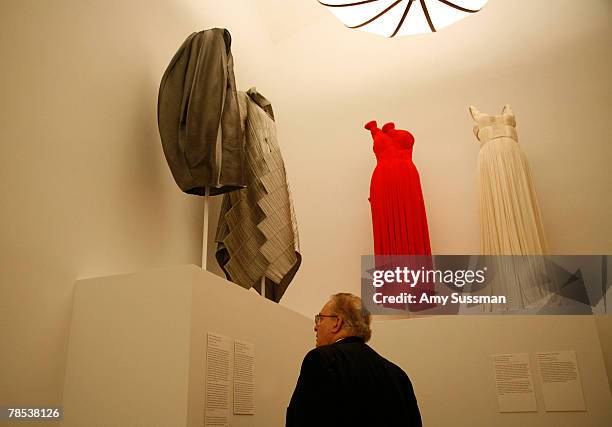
{"x":257,"y":233}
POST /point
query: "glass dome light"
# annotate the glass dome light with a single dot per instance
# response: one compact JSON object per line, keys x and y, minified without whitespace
{"x":401,"y":17}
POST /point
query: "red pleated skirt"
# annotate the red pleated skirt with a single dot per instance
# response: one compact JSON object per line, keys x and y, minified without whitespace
{"x":399,"y":220}
{"x":400,"y":223}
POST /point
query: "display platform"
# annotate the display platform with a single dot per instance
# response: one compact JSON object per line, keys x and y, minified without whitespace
{"x":138,"y":345}
{"x":137,"y":349}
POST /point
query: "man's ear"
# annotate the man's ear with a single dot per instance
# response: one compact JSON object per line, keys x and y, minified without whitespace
{"x":338,"y":325}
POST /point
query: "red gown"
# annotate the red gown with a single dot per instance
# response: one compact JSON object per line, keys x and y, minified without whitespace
{"x":399,"y":220}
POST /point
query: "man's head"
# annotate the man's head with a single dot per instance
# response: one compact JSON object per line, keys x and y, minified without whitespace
{"x":342,"y":316}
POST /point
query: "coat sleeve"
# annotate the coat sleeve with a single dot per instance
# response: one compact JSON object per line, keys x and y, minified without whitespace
{"x":413,"y":413}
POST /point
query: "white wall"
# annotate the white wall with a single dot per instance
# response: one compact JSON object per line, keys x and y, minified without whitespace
{"x":604,"y":327}
{"x":549,"y":59}
{"x":86,"y":190}
{"x":449,"y":360}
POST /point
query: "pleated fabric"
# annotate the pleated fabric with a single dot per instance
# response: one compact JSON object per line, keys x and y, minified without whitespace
{"x":510,"y":216}
{"x":399,"y":220}
{"x":257,"y":234}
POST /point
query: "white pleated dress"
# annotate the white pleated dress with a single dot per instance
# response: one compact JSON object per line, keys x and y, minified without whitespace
{"x":509,"y":213}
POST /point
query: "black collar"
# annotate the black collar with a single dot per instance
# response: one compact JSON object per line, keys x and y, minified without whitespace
{"x":349,"y":340}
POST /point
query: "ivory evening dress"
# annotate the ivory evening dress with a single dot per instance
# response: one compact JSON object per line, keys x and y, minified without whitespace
{"x":510,"y":217}
{"x":510,"y":220}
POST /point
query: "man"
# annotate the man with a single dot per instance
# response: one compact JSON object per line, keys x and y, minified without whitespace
{"x":343,"y":382}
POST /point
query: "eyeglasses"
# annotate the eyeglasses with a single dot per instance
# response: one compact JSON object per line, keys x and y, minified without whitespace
{"x":320,"y":316}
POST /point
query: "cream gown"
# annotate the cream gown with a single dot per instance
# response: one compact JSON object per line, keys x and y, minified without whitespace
{"x":510,"y":220}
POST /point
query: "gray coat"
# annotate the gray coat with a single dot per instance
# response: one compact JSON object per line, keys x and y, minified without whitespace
{"x":198,"y":116}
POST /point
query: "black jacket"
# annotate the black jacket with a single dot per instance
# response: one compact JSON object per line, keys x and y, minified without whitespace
{"x":349,"y":384}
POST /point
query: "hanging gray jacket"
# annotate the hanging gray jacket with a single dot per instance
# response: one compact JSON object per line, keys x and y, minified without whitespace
{"x":198,"y":117}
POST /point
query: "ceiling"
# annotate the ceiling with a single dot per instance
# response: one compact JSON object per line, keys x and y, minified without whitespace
{"x":283,"y":18}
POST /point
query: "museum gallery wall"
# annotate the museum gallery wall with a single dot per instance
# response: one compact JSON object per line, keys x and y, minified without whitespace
{"x":95,"y":195}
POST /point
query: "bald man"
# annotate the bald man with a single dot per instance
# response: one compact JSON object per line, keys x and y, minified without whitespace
{"x":343,"y":382}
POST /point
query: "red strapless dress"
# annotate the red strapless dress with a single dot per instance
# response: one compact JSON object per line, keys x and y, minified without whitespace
{"x":399,"y":220}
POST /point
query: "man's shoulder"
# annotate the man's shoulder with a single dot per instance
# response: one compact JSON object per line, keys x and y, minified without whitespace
{"x":323,"y":355}
{"x":327,"y":354}
{"x":398,"y":371}
{"x":359,"y":347}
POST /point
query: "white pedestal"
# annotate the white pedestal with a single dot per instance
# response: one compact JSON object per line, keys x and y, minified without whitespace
{"x":136,"y":354}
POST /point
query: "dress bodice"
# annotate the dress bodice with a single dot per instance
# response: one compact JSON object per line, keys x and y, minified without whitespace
{"x":487,"y":128}
{"x":390,"y":143}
